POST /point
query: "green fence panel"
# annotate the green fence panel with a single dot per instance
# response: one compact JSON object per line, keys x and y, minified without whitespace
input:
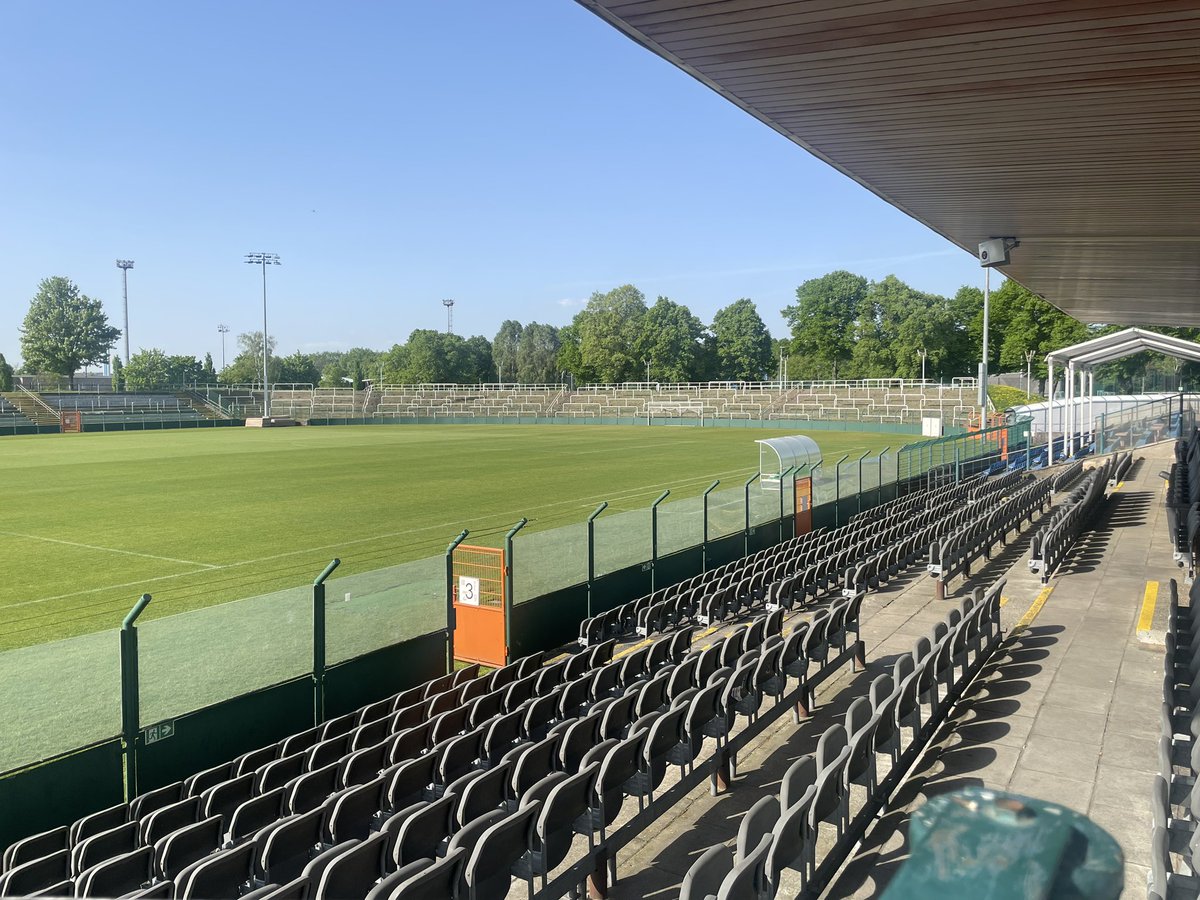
{"x":680,"y":525}
{"x":218,"y":733}
{"x":384,"y":672}
{"x":619,"y":587}
{"x":60,"y":790}
{"x":195,"y":659}
{"x":824,"y":516}
{"x":622,"y":540}
{"x":764,"y":503}
{"x":550,"y":621}
{"x":372,"y":610}
{"x":846,"y":508}
{"x":724,"y":550}
{"x":547,"y":561}
{"x":59,"y":696}
{"x":763,"y":536}
{"x":727,"y":511}
{"x":677,"y":567}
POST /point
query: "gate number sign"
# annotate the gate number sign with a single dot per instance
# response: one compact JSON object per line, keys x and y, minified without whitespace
{"x":468,"y":590}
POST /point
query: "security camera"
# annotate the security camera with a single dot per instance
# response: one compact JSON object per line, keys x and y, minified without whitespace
{"x":994,"y":251}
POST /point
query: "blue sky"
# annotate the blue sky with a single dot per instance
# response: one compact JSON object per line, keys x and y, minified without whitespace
{"x":513,"y":156}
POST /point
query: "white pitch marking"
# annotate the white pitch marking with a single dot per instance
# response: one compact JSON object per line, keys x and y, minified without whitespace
{"x":185,"y":562}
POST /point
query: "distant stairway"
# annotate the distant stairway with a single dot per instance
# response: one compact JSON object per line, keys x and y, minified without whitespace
{"x":32,"y":407}
{"x":201,"y":406}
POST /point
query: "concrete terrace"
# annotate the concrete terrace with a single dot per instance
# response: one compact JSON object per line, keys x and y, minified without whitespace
{"x":1066,"y":711}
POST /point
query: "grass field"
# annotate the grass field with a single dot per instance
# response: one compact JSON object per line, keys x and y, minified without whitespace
{"x":199,"y":518}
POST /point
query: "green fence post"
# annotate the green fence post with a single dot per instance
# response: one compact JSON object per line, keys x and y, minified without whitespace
{"x":789,"y":470}
{"x":879,"y":480}
{"x":508,"y":583}
{"x":860,"y":484}
{"x":837,"y":491}
{"x":749,"y":481}
{"x":131,"y":738}
{"x":654,"y":539}
{"x":318,"y":667}
{"x":591,"y":541}
{"x":704,"y":546}
{"x":451,"y":619}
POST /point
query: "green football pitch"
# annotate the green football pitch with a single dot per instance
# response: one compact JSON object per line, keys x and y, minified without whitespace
{"x":198,"y":518}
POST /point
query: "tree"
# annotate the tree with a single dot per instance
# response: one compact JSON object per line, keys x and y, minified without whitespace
{"x":153,"y":370}
{"x":673,"y":340}
{"x":743,"y":343}
{"x":429,"y":357}
{"x":609,"y":329}
{"x":479,"y":365}
{"x":821,"y":320}
{"x":208,"y":372}
{"x":334,"y":375}
{"x":118,"y":374}
{"x":247,"y":366}
{"x":6,"y":374}
{"x":65,"y":330}
{"x":295,"y":369}
{"x":504,"y":348}
{"x":570,"y":355}
{"x":537,"y":354}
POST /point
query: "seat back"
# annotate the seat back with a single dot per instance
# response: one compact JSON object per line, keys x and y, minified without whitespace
{"x":35,"y":847}
{"x":488,"y":870}
{"x":348,"y":813}
{"x":353,"y":873}
{"x":706,"y":874}
{"x":113,"y":877}
{"x":104,"y":845}
{"x":179,"y":849}
{"x":284,"y":847}
{"x":163,"y":821}
{"x":421,"y":834}
{"x":406,"y":782}
{"x":436,"y":882}
{"x":308,"y":791}
{"x":568,"y":801}
{"x":36,"y":874}
{"x":219,"y":875}
{"x":254,"y":815}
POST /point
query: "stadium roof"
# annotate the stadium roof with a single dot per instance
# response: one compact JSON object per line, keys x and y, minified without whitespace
{"x":1124,"y":343}
{"x":1072,"y":125}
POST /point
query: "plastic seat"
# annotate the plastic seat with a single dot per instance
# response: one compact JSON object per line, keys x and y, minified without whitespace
{"x":485,"y":708}
{"x":35,"y":847}
{"x":707,"y":873}
{"x":104,"y":845}
{"x":36,"y":874}
{"x":224,"y":798}
{"x":487,"y":873}
{"x":163,"y":821}
{"x":361,"y":766}
{"x":219,"y":875}
{"x":310,"y":790}
{"x":408,"y":782}
{"x":144,"y":804}
{"x":757,"y":823}
{"x":565,"y":810}
{"x":349,"y":812}
{"x":389,"y":883}
{"x":247,"y":762}
{"x":532,"y":762}
{"x":797,"y":781}
{"x":300,"y":742}
{"x":352,"y":873}
{"x":409,"y":743}
{"x":179,"y":849}
{"x":112,"y":877}
{"x":439,"y":881}
{"x":423,"y":832}
{"x":278,"y":772}
{"x":94,"y":823}
{"x":284,"y":847}
{"x":325,"y":752}
{"x":254,"y":815}
{"x":480,"y":792}
{"x":196,"y":784}
{"x":457,"y":757}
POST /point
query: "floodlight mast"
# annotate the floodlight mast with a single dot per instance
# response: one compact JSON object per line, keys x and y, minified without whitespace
{"x":223,"y":330}
{"x":449,"y":304}
{"x":125,"y":265}
{"x":264,"y":259}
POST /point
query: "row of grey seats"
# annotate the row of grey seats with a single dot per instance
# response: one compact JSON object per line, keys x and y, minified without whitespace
{"x":779,"y":833}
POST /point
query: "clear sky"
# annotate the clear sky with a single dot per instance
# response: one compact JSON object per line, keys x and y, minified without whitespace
{"x":513,"y":156}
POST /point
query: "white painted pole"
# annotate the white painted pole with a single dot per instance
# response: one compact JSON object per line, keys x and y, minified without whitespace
{"x":1050,"y":410}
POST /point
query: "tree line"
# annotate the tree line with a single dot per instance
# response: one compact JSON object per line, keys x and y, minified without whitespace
{"x":842,"y":326}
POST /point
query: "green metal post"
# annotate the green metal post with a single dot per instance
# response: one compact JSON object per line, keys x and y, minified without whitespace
{"x":860,"y":484}
{"x":879,"y":480}
{"x":318,"y":666}
{"x":654,"y":539}
{"x":451,"y":618}
{"x":508,"y":584}
{"x":712,"y":487}
{"x":591,"y":539}
{"x":957,"y":466}
{"x":749,"y":481}
{"x":789,"y":470}
{"x":837,"y":491}
{"x":131,"y":737}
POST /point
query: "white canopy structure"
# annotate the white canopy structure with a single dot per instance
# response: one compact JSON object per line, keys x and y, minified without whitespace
{"x":778,"y":456}
{"x":1081,"y":359}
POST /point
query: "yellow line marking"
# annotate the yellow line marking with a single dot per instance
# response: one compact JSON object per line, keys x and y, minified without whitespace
{"x":1003,"y":599}
{"x":633,"y":647}
{"x":1149,"y":599}
{"x":1034,"y":608}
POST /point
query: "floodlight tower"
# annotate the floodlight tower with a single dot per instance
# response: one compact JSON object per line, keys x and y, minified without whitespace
{"x":223,"y":330}
{"x":125,"y":265}
{"x":264,"y":260}
{"x":449,"y":304}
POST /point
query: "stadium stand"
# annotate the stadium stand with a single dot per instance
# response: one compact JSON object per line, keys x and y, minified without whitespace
{"x":11,"y":414}
{"x":124,"y":407}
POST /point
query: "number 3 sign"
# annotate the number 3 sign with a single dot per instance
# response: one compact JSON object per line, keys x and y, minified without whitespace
{"x":468,"y":590}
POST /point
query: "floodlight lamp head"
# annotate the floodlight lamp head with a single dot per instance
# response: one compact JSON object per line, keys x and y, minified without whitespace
{"x":124,"y":263}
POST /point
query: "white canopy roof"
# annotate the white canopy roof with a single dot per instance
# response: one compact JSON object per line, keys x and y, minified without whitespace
{"x":793,"y":450}
{"x":1124,"y":343}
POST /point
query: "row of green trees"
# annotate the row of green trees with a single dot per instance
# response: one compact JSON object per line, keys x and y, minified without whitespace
{"x":842,"y":325}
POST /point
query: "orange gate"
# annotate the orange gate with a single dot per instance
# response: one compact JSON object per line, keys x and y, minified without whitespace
{"x":479,"y":605}
{"x":803,"y":487}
